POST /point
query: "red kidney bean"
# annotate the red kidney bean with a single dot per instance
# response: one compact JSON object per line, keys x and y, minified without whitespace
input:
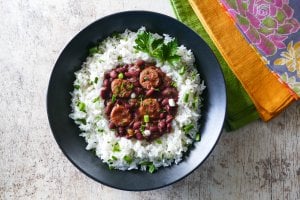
{"x":103,"y":92}
{"x":169,"y":127}
{"x":106,"y":83}
{"x":108,"y":108}
{"x":137,"y":125}
{"x":121,"y":69}
{"x":113,"y":74}
{"x":111,"y":125}
{"x":165,"y":101}
{"x":138,"y":135}
{"x":162,"y":115}
{"x":153,"y":129}
{"x":121,"y":130}
{"x":161,"y":125}
{"x":169,"y":118}
{"x":140,"y":62}
{"x":138,"y":90}
{"x":127,"y":105}
{"x":170,"y":92}
{"x":150,"y":92}
{"x":106,"y":75}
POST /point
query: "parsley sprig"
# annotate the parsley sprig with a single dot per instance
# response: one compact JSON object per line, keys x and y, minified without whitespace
{"x":156,"y":47}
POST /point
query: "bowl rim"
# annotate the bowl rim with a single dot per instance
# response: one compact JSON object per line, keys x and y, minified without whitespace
{"x":50,"y":81}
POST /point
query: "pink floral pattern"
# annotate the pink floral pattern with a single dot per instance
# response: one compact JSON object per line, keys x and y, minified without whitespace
{"x":266,"y":23}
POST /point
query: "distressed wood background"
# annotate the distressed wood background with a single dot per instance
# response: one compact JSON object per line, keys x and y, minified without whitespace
{"x":259,"y":161}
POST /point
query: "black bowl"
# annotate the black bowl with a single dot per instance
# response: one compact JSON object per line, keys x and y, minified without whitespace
{"x":66,"y":132}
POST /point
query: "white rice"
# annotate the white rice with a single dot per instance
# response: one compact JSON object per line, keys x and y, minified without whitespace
{"x":164,"y":151}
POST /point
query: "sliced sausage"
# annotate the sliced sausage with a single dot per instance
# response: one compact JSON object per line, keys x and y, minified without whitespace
{"x":150,"y":107}
{"x":149,"y":78}
{"x":121,"y":88}
{"x":120,"y":116}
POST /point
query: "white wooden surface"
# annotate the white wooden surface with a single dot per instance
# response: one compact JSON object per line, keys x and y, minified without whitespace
{"x":259,"y":161}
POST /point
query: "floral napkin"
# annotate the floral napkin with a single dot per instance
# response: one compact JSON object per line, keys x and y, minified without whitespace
{"x":272,"y":27}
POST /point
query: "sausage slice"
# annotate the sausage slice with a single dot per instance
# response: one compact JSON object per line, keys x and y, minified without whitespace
{"x":120,"y":116}
{"x":149,"y":107}
{"x":121,"y":88}
{"x":149,"y":78}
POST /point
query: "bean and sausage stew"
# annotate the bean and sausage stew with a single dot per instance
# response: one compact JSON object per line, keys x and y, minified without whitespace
{"x":140,"y":100}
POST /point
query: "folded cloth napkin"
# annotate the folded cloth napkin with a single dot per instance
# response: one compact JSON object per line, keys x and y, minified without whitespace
{"x":240,"y":108}
{"x":269,"y":95}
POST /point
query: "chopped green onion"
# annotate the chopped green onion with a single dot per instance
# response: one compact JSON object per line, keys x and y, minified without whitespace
{"x":113,"y":98}
{"x":186,"y":98}
{"x":96,"y":80}
{"x":152,"y":168}
{"x":128,"y":159}
{"x":145,"y":163}
{"x":116,"y":147}
{"x":119,"y":58}
{"x":158,"y":141}
{"x":146,"y":118}
{"x":198,"y":137}
{"x":96,"y":99}
{"x":93,"y":50}
{"x":83,"y":121}
{"x":76,"y":87}
{"x":156,"y":89}
{"x":81,"y":106}
{"x":114,"y":158}
{"x":188,"y":127}
{"x":142,"y":129}
{"x":121,"y":76}
{"x":182,"y":70}
{"x":174,"y":84}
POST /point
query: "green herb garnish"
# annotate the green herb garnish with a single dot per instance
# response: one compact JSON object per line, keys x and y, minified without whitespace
{"x":156,"y":48}
{"x":198,"y":137}
{"x":158,"y":141}
{"x":182,"y":70}
{"x":96,"y":80}
{"x":76,"y":87}
{"x":119,"y":58}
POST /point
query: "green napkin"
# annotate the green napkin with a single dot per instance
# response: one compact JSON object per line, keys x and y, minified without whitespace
{"x":240,"y":108}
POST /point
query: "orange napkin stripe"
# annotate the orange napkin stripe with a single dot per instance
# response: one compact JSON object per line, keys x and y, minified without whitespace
{"x":267,"y":93}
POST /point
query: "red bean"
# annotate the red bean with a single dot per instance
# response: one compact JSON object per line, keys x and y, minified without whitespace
{"x":121,"y":130}
{"x":138,"y":90}
{"x":138,"y":135}
{"x":106,"y":83}
{"x":121,"y":69}
{"x":111,"y":125}
{"x":169,"y":118}
{"x":150,"y":92}
{"x":165,"y":101}
{"x":113,"y":74}
{"x":153,"y":128}
{"x":170,"y":92}
{"x":103,"y":92}
{"x":106,"y":75}
{"x":140,"y":62}
{"x":161,"y":125}
{"x":136,"y":125}
{"x":169,"y":127}
{"x":162,"y":115}
{"x":108,"y":108}
{"x":127,"y":105}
